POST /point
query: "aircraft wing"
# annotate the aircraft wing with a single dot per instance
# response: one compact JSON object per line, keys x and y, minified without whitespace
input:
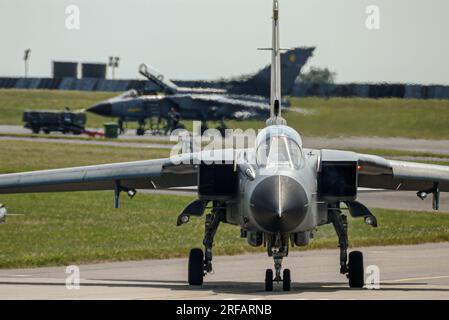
{"x":377,"y":172}
{"x":148,"y":174}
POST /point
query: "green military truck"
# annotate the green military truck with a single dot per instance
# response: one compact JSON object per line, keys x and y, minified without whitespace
{"x":48,"y":121}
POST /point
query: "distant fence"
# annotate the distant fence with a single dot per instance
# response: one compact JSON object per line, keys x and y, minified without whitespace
{"x":85,"y":84}
{"x":299,"y":90}
{"x":407,"y":91}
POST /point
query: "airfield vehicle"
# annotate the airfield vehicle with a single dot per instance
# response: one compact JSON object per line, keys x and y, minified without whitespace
{"x":48,"y":121}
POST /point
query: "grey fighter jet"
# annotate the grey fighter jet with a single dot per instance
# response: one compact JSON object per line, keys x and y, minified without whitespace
{"x":277,"y":193}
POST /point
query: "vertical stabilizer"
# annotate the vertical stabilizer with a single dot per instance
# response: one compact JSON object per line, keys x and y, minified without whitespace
{"x":259,"y":84}
{"x":276,"y":90}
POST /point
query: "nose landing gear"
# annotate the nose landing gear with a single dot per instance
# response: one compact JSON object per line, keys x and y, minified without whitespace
{"x":278,"y":249}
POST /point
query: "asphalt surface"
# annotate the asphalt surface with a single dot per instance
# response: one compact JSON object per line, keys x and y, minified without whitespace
{"x":90,"y":142}
{"x":406,"y":272}
{"x":404,"y":144}
{"x":401,"y":200}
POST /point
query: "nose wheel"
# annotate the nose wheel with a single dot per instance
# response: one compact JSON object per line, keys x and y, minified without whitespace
{"x":286,"y":280}
{"x":269,"y":280}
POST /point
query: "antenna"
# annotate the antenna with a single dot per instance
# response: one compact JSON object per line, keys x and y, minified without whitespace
{"x":276,"y":118}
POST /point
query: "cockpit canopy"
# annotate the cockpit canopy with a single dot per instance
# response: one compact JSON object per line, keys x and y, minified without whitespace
{"x":279,"y":146}
{"x":129,"y":94}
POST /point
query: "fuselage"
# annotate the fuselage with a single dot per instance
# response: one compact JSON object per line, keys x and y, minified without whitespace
{"x":204,"y":107}
{"x":280,"y":197}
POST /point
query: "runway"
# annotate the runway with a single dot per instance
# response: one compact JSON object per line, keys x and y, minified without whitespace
{"x":406,"y":272}
{"x":94,"y":142}
{"x":395,"y":143}
{"x":384,"y":199}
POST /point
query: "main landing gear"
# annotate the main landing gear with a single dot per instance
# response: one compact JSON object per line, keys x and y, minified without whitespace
{"x":141,"y":129}
{"x":277,"y":246}
{"x":201,"y":263}
{"x":352,"y":267}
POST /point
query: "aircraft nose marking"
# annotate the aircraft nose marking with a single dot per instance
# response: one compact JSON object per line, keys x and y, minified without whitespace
{"x":103,"y":109}
{"x":279,"y":197}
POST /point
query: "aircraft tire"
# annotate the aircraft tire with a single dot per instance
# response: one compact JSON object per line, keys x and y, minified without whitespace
{"x":269,"y":280}
{"x":286,"y":280}
{"x":356,"y":271}
{"x":196,"y":267}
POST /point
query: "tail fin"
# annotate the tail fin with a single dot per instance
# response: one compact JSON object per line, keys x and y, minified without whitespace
{"x":292,"y":61}
{"x":276,"y":72}
{"x":158,"y":79}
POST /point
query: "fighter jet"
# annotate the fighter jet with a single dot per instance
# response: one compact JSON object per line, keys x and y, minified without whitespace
{"x":236,"y":100}
{"x":277,"y":193}
{"x":136,"y":106}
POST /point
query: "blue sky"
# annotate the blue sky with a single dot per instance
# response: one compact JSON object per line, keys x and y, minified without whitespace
{"x":209,"y":39}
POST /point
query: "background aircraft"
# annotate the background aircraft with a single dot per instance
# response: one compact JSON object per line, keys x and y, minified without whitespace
{"x":135,"y":106}
{"x":277,"y":193}
{"x":235,"y":100}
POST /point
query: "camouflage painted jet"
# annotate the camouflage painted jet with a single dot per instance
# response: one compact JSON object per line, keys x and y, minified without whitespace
{"x":245,"y":99}
{"x":277,"y":200}
{"x":135,"y":106}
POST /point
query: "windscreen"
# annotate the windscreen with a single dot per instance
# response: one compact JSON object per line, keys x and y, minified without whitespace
{"x":279,"y":151}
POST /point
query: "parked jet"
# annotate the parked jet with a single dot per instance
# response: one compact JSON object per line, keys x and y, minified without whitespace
{"x":278,"y":200}
{"x":237,"y":100}
{"x":135,"y":106}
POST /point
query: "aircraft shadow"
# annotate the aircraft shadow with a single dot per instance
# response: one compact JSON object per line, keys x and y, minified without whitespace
{"x":234,"y":287}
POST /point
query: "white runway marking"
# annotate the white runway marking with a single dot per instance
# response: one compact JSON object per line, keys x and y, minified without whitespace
{"x":418,"y":279}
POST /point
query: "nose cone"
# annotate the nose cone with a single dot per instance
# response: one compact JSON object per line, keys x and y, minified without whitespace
{"x":279,"y":204}
{"x":102,"y":109}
